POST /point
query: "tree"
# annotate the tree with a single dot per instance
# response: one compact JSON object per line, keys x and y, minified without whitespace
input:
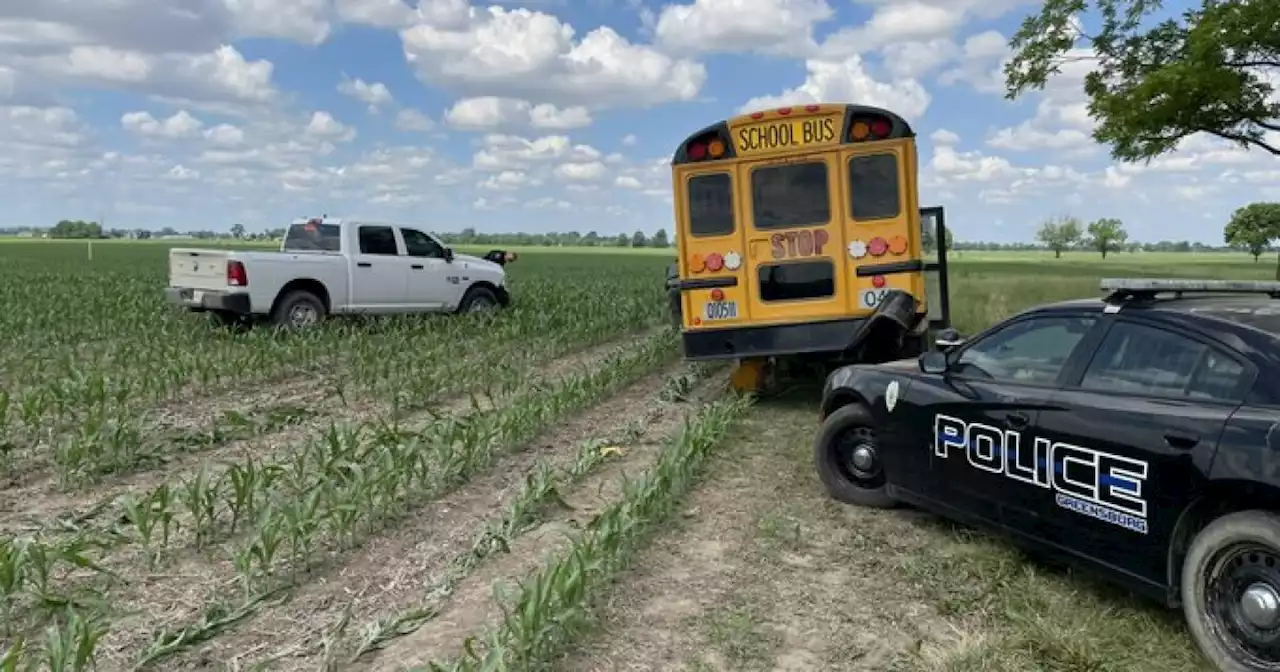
{"x":76,"y":228}
{"x":1059,"y":234}
{"x":622,"y":240}
{"x":1107,"y":235}
{"x":1253,"y":227}
{"x":1210,"y":71}
{"x":638,"y":239}
{"x":237,"y":231}
{"x":659,"y":239}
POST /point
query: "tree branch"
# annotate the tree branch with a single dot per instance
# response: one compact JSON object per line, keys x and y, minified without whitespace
{"x":1252,"y":64}
{"x":1242,"y":139}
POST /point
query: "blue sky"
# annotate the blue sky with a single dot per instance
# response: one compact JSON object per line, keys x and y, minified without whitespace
{"x":543,"y":115}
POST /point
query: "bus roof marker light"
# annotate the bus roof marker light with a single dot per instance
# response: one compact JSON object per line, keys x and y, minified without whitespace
{"x":784,"y":111}
{"x":757,"y":115}
{"x":812,"y":108}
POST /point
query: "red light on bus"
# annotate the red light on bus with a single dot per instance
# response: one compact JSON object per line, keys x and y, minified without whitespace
{"x":784,"y":111}
{"x":717,"y":295}
{"x":881,"y":128}
{"x":714,"y":262}
{"x":812,"y":108}
{"x":757,"y":115}
{"x":877,"y":281}
{"x":698,"y":151}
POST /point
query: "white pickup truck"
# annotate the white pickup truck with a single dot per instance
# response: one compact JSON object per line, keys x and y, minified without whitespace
{"x":333,"y":266}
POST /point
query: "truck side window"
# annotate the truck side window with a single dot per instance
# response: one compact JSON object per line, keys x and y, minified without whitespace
{"x":378,"y":240}
{"x":1136,"y":359}
{"x":419,"y":244}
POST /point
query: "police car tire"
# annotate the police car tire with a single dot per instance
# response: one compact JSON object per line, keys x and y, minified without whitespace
{"x":280,"y":316}
{"x":1245,"y":526}
{"x":474,"y":293}
{"x":827,"y":463}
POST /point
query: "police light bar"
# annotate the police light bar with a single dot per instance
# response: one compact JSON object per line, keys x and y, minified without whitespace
{"x":1124,"y":287}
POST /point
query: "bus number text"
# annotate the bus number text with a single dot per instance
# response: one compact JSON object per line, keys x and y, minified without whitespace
{"x":806,"y":243}
{"x":872,"y":297}
{"x":782,"y":136}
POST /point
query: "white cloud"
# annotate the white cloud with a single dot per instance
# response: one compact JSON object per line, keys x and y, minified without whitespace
{"x":323,"y":125}
{"x":509,"y":152}
{"x":374,"y":94}
{"x":225,"y":135}
{"x":533,"y":56}
{"x":494,"y":112}
{"x":848,"y":80}
{"x":628,"y":182}
{"x":180,"y":125}
{"x":413,"y":120}
{"x":769,"y":26}
{"x":581,"y":172}
{"x":944,"y":137}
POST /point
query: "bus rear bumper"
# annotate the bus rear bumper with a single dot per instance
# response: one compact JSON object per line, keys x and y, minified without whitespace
{"x":881,"y":336}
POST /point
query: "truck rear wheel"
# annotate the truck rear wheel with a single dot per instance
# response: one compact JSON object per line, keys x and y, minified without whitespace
{"x":298,"y":309}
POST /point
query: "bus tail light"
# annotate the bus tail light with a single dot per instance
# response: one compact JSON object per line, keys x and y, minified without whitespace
{"x":866,"y":128}
{"x":715,"y":262}
{"x":877,"y":281}
{"x":236,"y":275}
{"x":697,"y":264}
{"x":717,"y":295}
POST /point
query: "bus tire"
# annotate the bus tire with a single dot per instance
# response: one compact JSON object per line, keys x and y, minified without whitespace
{"x":673,"y":295}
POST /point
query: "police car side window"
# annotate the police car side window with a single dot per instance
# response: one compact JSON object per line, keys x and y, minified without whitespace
{"x":1137,"y":359}
{"x":1028,"y":351}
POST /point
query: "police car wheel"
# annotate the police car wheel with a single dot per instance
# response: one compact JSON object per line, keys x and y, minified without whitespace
{"x":846,"y":454}
{"x":1231,"y":591}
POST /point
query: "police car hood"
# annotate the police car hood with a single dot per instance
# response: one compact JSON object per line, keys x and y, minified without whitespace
{"x":900,"y":364}
{"x":478,"y":264}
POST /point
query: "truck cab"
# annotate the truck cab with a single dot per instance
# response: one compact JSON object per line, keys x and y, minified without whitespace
{"x":329,"y":266}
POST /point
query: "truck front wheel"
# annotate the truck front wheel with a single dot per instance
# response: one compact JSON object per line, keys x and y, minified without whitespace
{"x":478,"y":300}
{"x":298,"y":309}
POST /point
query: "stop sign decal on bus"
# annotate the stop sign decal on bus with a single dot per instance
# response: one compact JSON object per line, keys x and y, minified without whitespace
{"x":806,"y":243}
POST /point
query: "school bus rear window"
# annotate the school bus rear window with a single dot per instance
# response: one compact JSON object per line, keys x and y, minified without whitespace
{"x":873,"y":187}
{"x":794,"y":281}
{"x":710,"y":205}
{"x":791,"y":195}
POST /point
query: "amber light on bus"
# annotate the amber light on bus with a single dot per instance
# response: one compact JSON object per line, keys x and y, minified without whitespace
{"x":864,"y":129}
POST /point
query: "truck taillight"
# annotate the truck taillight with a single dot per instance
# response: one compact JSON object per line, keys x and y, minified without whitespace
{"x":236,"y":277}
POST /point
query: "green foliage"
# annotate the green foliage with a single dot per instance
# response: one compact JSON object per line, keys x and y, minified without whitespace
{"x":1155,"y":85}
{"x":1107,"y":235}
{"x":1253,"y":227}
{"x":76,"y":228}
{"x":1060,"y":234}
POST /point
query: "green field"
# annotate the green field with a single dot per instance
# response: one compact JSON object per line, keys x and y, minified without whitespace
{"x":182,"y":497}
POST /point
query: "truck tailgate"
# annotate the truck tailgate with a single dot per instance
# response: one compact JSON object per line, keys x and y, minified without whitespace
{"x":198,"y":269}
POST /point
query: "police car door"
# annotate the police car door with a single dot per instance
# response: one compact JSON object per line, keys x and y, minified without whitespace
{"x":1132,"y":438}
{"x":986,"y":446}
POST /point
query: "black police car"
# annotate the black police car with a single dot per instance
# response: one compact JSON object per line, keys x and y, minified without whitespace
{"x":1137,"y":435}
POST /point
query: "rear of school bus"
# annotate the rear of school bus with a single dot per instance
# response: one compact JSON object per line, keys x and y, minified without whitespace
{"x":793,"y":226}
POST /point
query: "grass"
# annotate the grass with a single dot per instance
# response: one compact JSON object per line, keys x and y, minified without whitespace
{"x":169,"y":484}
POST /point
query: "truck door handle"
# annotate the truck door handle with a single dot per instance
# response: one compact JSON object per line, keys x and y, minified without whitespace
{"x":363,"y":264}
{"x":1181,"y":440}
{"x":1016,"y":420}
{"x":417,"y":267}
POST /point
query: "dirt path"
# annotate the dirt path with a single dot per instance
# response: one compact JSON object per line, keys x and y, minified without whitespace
{"x":765,"y":573}
{"x":473,"y":605}
{"x":28,"y":507}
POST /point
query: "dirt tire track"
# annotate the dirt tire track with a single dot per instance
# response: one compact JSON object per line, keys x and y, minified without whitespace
{"x":764,"y":572}
{"x":179,"y":593}
{"x":42,"y":501}
{"x":473,"y":605}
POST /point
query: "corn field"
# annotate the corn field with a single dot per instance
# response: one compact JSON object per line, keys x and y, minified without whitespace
{"x":179,"y":496}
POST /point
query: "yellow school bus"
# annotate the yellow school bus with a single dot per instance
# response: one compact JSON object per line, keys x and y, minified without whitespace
{"x":799,"y":234}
